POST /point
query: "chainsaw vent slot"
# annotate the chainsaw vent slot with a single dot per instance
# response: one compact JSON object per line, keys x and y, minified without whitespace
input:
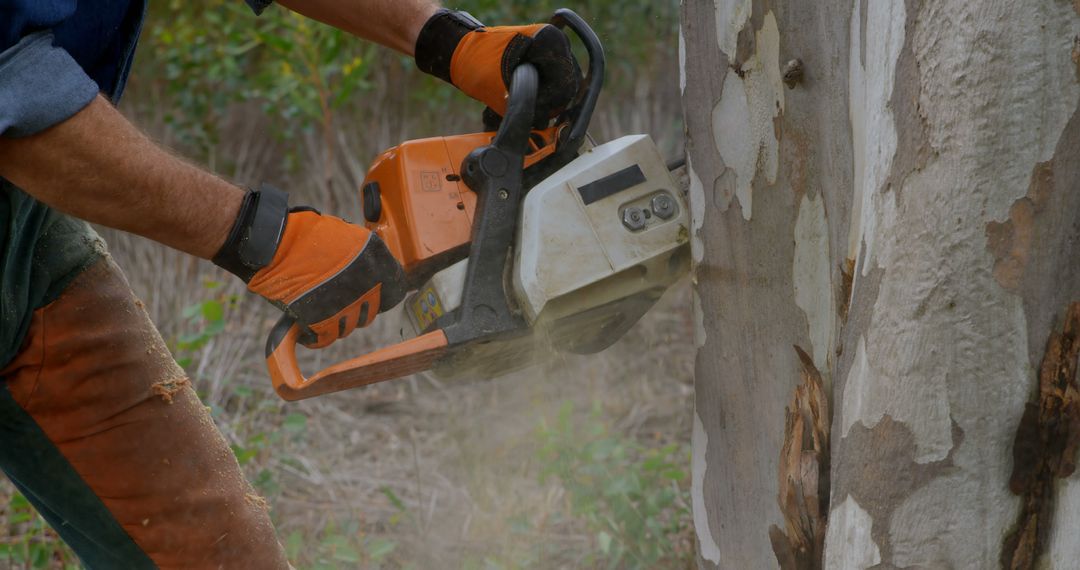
{"x":612,"y":184}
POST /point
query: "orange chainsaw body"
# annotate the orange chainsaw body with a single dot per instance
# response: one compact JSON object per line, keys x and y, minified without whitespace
{"x":416,"y":200}
{"x":423,"y":210}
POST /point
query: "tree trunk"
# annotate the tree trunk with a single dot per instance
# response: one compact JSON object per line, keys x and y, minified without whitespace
{"x":886,"y":211}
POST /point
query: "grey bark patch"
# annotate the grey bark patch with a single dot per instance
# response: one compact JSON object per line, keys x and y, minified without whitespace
{"x":1036,"y":249}
{"x":1045,"y":445}
{"x":742,"y":381}
{"x":706,"y":68}
{"x":882,"y":473}
{"x":912,"y":131}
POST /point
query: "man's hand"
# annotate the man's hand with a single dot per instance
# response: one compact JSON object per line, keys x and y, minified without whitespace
{"x":328,"y":274}
{"x":480,"y":61}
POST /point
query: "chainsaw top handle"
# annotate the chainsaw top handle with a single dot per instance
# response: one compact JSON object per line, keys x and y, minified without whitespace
{"x":580,"y":115}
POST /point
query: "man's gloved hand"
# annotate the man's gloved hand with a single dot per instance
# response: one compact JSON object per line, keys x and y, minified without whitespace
{"x":480,"y":61}
{"x":328,"y":274}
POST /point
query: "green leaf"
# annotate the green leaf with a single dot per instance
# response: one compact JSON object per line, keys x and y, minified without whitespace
{"x":380,"y":548}
{"x":244,"y":455}
{"x":347,"y":554}
{"x":243,"y":392}
{"x":191,"y":311}
{"x":18,"y":501}
{"x":213,"y":311}
{"x":294,"y":544}
{"x":675,"y":474}
{"x":603,"y":539}
{"x":295,"y":423}
{"x":394,"y":499}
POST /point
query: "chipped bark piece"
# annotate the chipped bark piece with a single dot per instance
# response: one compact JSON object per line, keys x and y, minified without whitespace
{"x":847,"y":274}
{"x":804,"y":474}
{"x":1045,"y":446}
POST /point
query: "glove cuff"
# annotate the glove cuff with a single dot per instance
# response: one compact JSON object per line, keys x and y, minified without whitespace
{"x":439,"y":38}
{"x":256,"y":234}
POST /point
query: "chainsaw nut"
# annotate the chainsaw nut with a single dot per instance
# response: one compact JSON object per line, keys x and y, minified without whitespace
{"x":633,"y":218}
{"x":663,"y":206}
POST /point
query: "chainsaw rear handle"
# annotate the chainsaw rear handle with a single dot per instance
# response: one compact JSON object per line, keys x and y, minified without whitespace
{"x":420,"y":353}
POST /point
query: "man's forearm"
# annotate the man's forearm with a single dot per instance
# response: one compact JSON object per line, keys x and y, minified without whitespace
{"x":98,"y":167}
{"x":392,"y":23}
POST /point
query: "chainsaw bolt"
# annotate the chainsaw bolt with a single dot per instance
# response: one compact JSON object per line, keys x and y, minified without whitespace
{"x":503,"y":194}
{"x":663,"y":206}
{"x":633,"y":218}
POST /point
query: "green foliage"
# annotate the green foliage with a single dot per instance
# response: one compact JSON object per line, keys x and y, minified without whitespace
{"x":200,"y":59}
{"x":632,"y":498}
{"x":339,"y":547}
{"x":27,"y":541}
{"x":205,"y":57}
{"x":195,"y":55}
{"x":207,"y":319}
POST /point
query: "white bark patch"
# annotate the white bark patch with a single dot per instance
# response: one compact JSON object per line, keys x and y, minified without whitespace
{"x":946,"y":343}
{"x":873,"y":127}
{"x":743,"y":118}
{"x":731,"y":18}
{"x":699,"y":463}
{"x":699,"y":320}
{"x":697,"y":212}
{"x":813,"y":277}
{"x":682,"y":62}
{"x":1064,"y":549}
{"x":916,"y":397}
{"x":850,"y":544}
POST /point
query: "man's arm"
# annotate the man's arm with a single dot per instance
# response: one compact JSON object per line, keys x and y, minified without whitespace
{"x":98,"y":167}
{"x":392,"y":23}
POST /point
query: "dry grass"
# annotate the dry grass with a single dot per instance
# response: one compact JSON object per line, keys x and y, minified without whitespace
{"x":462,"y":458}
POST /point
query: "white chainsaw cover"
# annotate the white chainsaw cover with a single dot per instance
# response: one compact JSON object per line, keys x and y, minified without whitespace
{"x":584,"y":269}
{"x":565,"y":245}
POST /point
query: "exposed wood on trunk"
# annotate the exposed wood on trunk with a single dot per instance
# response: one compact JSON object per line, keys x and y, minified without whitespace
{"x":804,"y":474}
{"x":1045,"y":447}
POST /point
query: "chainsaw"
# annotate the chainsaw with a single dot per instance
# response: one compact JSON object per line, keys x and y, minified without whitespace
{"x":516,"y":242}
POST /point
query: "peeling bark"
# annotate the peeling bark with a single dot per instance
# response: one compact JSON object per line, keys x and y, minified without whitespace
{"x":804,"y":474}
{"x":909,"y":213}
{"x":1045,"y":447}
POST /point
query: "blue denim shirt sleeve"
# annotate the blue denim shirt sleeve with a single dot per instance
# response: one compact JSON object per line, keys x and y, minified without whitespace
{"x":40,"y":86}
{"x":258,"y":6}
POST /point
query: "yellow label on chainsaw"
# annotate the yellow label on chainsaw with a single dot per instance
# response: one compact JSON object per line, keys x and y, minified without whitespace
{"x":426,"y":307}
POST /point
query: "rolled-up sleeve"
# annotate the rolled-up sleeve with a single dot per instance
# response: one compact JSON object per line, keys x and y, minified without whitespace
{"x":40,"y":86}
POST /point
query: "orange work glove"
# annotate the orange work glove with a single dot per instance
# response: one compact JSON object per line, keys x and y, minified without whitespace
{"x":328,"y":274}
{"x":456,"y":48}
